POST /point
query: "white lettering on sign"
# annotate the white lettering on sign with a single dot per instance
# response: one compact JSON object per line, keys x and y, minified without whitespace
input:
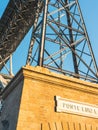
{"x":75,"y":107}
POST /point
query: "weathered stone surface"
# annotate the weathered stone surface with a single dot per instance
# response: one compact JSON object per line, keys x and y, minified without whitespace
{"x":29,"y":101}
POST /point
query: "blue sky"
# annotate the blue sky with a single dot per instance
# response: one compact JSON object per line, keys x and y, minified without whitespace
{"x":90,"y":13}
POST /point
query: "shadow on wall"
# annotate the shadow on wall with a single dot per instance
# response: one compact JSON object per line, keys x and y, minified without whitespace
{"x":11,"y":97}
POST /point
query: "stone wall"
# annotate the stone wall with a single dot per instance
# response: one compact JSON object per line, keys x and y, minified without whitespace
{"x":37,"y":109}
{"x":11,"y":98}
{"x":30,"y":103}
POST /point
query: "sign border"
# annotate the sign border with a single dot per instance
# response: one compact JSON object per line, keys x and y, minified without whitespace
{"x":61,"y":105}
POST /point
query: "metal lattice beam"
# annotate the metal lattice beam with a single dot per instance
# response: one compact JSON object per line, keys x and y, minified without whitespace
{"x":14,"y":24}
{"x":60,"y":41}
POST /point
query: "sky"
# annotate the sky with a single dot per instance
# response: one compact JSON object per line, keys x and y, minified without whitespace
{"x":90,"y":13}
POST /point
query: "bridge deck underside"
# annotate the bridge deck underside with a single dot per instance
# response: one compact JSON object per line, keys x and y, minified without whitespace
{"x":14,"y":24}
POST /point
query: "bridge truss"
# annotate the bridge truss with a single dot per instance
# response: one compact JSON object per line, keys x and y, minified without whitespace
{"x":59,"y":41}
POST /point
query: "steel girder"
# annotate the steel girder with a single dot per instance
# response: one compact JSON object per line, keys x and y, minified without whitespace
{"x":60,"y":41}
{"x":14,"y":24}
